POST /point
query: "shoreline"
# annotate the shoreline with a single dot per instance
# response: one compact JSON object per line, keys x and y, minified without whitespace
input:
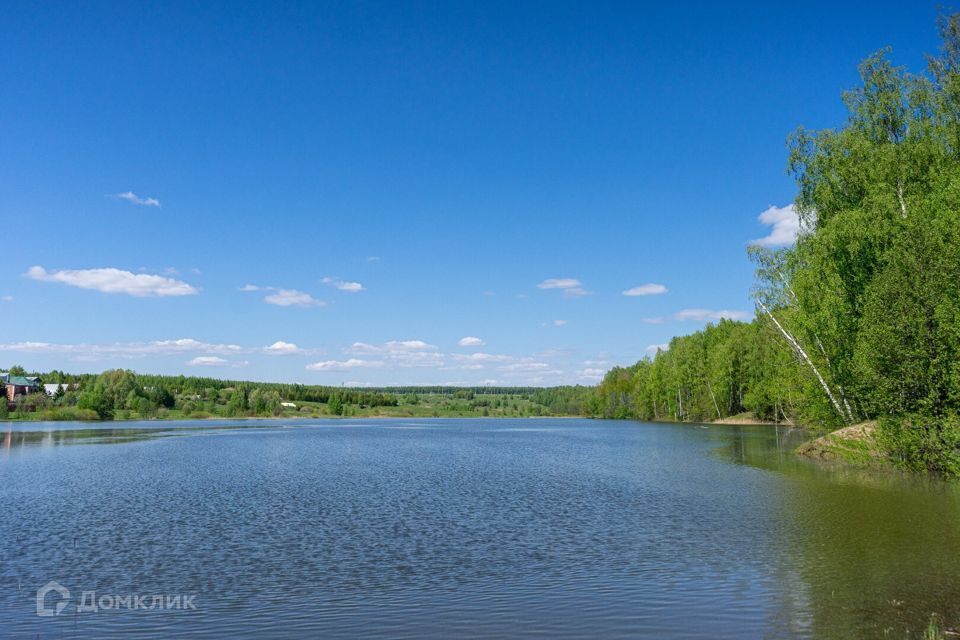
{"x":286,"y":417}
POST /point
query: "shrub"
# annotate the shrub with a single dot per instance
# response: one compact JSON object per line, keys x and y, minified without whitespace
{"x":920,"y":443}
{"x":69,"y":413}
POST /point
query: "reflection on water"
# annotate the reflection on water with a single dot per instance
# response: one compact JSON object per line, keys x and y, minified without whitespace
{"x":475,"y":528}
{"x":13,"y":439}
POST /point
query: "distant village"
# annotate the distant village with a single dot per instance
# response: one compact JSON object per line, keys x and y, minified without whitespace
{"x":17,"y":386}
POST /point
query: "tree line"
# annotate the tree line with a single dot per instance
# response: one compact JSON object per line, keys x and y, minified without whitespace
{"x":122,"y":393}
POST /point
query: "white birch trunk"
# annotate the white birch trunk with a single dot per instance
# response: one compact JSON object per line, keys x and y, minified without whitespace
{"x":803,"y":354}
{"x":903,"y":204}
{"x":715,"y":405}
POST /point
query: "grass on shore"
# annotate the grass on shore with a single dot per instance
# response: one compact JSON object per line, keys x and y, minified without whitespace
{"x":856,"y":445}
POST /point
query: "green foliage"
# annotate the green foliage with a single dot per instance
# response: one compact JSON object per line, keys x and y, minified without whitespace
{"x":97,"y":399}
{"x":725,"y":370}
{"x":335,"y":405}
{"x":69,"y":413}
{"x":121,"y":394}
{"x":922,"y":443}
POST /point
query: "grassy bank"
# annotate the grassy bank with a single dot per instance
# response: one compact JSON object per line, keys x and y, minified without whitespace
{"x":855,"y":445}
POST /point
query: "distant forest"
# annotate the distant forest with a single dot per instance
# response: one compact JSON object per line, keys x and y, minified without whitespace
{"x":123,"y":394}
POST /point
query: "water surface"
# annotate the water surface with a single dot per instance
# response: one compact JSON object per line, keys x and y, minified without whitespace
{"x":465,"y":528}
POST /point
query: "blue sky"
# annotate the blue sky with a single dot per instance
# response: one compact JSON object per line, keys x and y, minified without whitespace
{"x":342,"y":193}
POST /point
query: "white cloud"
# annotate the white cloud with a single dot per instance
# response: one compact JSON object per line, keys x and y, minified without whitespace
{"x":373,"y":258}
{"x":214,"y":361}
{"x":785,"y":223}
{"x":706,"y":315}
{"x":596,"y":363}
{"x":292,"y":298}
{"x":281,"y":348}
{"x":525,"y":366}
{"x":650,"y":289}
{"x":571,"y":287}
{"x":401,"y":353}
{"x":464,"y":367}
{"x":653,"y":320}
{"x":344,"y":365}
{"x":591,"y":374}
{"x":559,"y":283}
{"x":391,"y":347}
{"x":126,"y":349}
{"x":481,"y":357}
{"x":130,"y":196}
{"x":349,"y":287}
{"x":109,"y":280}
{"x":285,"y":297}
{"x":154,"y":348}
{"x":559,"y":323}
{"x":653,"y":348}
{"x":6,"y":298}
{"x":470,"y":341}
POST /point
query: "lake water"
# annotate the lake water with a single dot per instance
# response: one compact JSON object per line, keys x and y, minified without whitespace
{"x":463,"y":528}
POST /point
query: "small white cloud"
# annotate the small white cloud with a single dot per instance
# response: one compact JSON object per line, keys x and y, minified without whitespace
{"x":281,"y":348}
{"x":559,"y":283}
{"x":705,"y":315}
{"x":109,"y":280}
{"x":131,"y":197}
{"x":401,"y":353}
{"x":525,"y":366}
{"x":651,"y":289}
{"x":285,"y":297}
{"x":653,"y":320}
{"x":292,"y":298}
{"x":470,"y":341}
{"x":373,"y":258}
{"x":207,"y":361}
{"x":481,"y":357}
{"x":785,"y":225}
{"x":653,"y":348}
{"x":6,"y":298}
{"x":559,"y":323}
{"x":591,"y":374}
{"x":344,"y":365}
{"x":571,"y":287}
{"x":130,"y":350}
{"x":390,"y":347}
{"x":349,"y":287}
